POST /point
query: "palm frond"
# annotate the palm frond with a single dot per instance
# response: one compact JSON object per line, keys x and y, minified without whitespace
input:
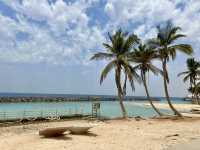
{"x":175,"y":37}
{"x":174,"y":30}
{"x":128,"y":73}
{"x":136,"y":76}
{"x":131,"y":73}
{"x":172,"y":53}
{"x":130,"y":42}
{"x":155,"y":69}
{"x":184,"y":48}
{"x":183,"y":73}
{"x":110,"y":38}
{"x":186,"y":78}
{"x":108,"y":47}
{"x":101,"y":56}
{"x":106,"y":70}
{"x":153,"y":43}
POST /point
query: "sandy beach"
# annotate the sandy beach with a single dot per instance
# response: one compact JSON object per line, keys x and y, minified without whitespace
{"x":114,"y":134}
{"x":180,"y":107}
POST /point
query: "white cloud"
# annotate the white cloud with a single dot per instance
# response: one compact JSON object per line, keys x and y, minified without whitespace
{"x":63,"y":34}
{"x":109,"y":9}
{"x":143,"y":16}
{"x":65,"y":39}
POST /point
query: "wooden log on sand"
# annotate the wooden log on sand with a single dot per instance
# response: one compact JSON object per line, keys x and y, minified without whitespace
{"x":53,"y":132}
{"x":79,"y":129}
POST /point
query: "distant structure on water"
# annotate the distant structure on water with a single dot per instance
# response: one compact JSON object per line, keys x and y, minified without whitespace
{"x":14,"y":98}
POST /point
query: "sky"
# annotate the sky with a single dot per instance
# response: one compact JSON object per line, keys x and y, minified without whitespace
{"x":46,"y":45}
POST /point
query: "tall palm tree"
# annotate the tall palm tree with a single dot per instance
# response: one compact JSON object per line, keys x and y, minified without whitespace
{"x":117,"y":52}
{"x":192,"y":73}
{"x":197,"y":91}
{"x":143,"y":56}
{"x":166,"y":48}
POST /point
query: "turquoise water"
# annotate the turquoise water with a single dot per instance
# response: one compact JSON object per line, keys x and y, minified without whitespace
{"x":110,"y":109}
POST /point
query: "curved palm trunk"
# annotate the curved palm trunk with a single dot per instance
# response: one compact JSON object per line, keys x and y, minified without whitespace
{"x":195,"y":93}
{"x":124,"y":87}
{"x":191,"y":85}
{"x":193,"y":99}
{"x":148,"y":96}
{"x":120,"y":91}
{"x":166,"y":90}
{"x":198,"y":100}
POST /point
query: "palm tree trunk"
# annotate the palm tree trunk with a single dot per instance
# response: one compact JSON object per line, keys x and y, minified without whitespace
{"x":120,"y":91}
{"x":195,"y":93}
{"x":148,"y":96}
{"x":166,"y":89}
{"x":191,"y":85}
{"x":124,"y":87}
{"x":198,"y":99}
{"x":193,"y":99}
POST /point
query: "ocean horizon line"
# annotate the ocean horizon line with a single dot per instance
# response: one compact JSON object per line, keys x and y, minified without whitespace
{"x":32,"y":94}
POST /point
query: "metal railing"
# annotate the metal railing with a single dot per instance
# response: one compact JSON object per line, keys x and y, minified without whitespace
{"x":34,"y":114}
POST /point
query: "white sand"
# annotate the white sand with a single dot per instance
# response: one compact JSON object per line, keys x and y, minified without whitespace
{"x":180,"y":107}
{"x":110,"y":135}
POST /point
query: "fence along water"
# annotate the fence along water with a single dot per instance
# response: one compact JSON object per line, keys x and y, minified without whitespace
{"x":45,"y":113}
{"x":50,"y":114}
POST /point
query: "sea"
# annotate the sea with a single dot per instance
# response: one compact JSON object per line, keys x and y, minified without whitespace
{"x":108,"y":109}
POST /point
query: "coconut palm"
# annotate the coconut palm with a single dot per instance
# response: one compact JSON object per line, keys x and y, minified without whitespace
{"x":195,"y":90}
{"x":117,"y":51}
{"x":166,"y":49}
{"x":192,"y":73}
{"x":143,"y":56}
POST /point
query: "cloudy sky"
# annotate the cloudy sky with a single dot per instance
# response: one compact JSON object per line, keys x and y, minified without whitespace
{"x":45,"y":45}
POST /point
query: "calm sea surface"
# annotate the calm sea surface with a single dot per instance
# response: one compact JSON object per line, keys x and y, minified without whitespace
{"x":110,"y":109}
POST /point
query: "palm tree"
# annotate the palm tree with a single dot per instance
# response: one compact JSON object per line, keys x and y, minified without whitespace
{"x":193,"y":71}
{"x":143,"y":57}
{"x":197,"y":90}
{"x":166,"y":49}
{"x":117,"y":51}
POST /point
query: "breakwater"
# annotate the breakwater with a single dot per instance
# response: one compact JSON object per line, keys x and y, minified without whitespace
{"x":45,"y":99}
{"x":55,"y":99}
{"x":64,"y":98}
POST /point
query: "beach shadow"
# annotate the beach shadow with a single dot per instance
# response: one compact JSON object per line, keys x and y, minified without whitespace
{"x":61,"y":137}
{"x":87,"y":134}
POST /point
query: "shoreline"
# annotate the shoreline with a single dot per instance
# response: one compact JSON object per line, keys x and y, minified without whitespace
{"x":179,"y":106}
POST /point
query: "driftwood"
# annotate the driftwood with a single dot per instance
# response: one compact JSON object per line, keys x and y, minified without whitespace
{"x":138,"y":118}
{"x":53,"y":132}
{"x":172,"y":135}
{"x":79,"y":130}
{"x":195,"y":111}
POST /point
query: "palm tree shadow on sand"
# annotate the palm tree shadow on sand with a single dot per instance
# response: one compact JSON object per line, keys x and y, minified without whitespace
{"x":66,"y":136}
{"x":87,"y":134}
